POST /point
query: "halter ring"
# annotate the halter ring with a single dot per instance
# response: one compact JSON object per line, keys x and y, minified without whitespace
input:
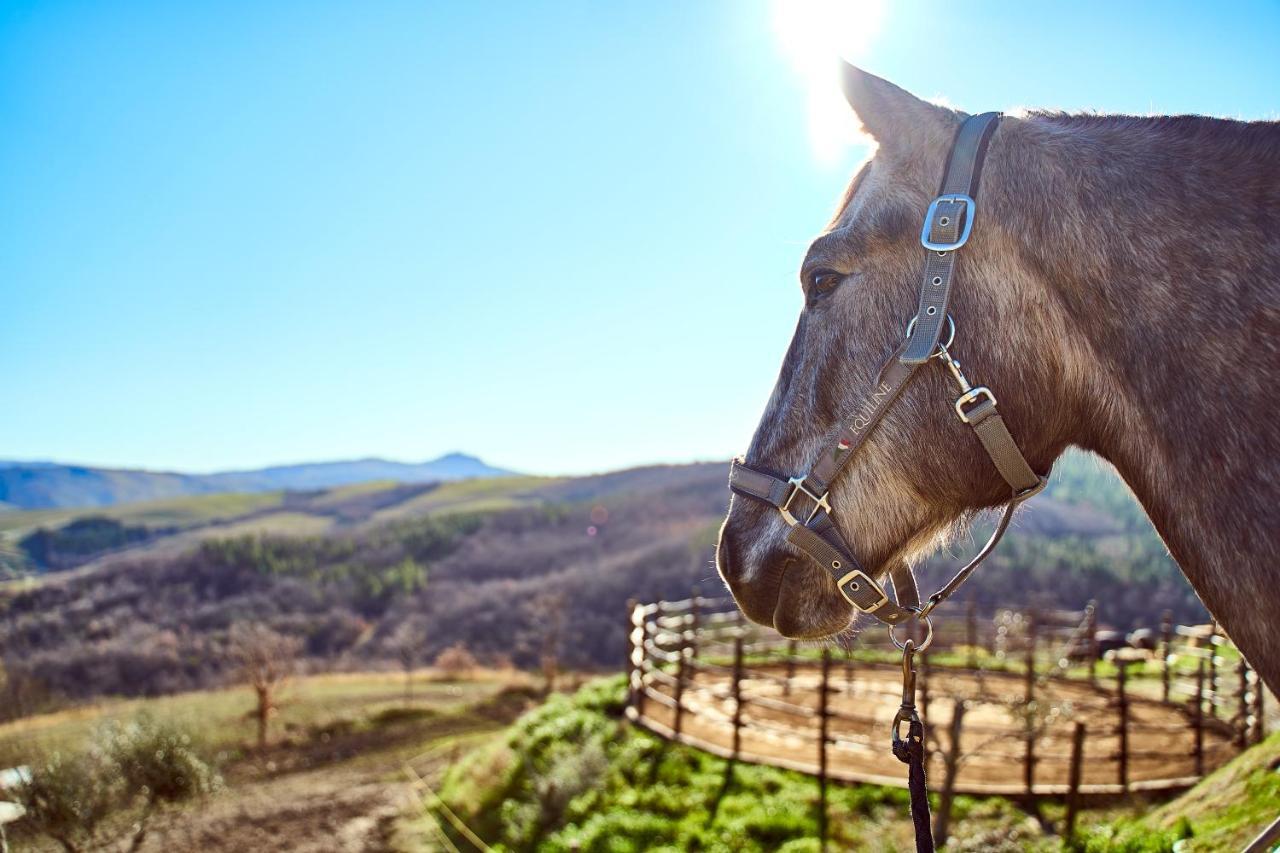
{"x":942,"y":347}
{"x":928,"y":635}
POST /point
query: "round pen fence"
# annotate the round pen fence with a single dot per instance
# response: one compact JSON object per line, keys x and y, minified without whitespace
{"x":1016,"y":704}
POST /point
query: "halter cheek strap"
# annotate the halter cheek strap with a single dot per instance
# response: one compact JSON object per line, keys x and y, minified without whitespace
{"x":802,"y":501}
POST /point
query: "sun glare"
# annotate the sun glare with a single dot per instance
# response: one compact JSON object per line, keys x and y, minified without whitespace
{"x":812,"y":35}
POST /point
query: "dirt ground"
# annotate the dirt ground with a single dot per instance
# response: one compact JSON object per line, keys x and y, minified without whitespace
{"x":341,"y":778}
{"x":346,"y":794}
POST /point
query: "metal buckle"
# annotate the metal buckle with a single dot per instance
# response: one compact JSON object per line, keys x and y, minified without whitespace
{"x":970,"y":208}
{"x":867,"y":579}
{"x":797,"y":486}
{"x":942,"y":345}
{"x":970,"y":396}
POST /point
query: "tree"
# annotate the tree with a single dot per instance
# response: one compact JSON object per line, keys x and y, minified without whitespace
{"x":408,"y":642}
{"x":550,"y":607}
{"x":266,"y":659}
{"x":103,"y":795}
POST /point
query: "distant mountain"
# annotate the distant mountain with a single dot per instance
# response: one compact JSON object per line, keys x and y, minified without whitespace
{"x":45,"y":485}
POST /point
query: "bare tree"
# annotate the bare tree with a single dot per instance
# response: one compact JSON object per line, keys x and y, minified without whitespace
{"x":408,"y":641}
{"x":550,"y":607}
{"x":266,"y":659}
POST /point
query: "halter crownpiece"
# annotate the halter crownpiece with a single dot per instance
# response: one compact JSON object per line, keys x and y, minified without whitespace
{"x":947,"y":225}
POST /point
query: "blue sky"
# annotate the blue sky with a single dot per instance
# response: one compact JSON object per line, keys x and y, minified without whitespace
{"x":238,"y":234}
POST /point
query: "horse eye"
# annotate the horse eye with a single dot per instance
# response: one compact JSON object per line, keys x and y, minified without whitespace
{"x":823,"y":282}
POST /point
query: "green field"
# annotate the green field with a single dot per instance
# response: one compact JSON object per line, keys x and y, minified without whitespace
{"x":184,"y":512}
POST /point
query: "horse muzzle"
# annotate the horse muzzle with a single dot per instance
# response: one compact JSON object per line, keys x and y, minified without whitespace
{"x":779,"y":589}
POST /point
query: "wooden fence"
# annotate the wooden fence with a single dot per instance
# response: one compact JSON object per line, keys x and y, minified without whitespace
{"x":1016,"y":703}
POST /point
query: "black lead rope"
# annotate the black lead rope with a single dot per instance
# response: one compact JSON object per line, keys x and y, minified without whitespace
{"x":910,"y":751}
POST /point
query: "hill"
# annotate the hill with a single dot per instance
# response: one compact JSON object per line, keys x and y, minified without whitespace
{"x":44,"y":485}
{"x":510,"y":567}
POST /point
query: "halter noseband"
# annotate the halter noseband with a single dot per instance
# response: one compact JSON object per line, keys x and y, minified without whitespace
{"x":947,"y":226}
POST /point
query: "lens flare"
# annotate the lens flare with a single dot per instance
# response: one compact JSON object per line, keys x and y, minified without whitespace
{"x":813,"y":35}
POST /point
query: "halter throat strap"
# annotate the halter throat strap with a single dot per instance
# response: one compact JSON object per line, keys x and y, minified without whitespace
{"x":802,"y":501}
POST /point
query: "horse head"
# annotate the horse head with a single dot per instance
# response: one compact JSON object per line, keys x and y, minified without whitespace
{"x":921,"y":473}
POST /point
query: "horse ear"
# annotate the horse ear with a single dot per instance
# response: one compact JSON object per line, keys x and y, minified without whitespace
{"x":892,"y":116}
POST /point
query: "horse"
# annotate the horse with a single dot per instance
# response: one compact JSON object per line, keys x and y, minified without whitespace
{"x":1120,"y":293}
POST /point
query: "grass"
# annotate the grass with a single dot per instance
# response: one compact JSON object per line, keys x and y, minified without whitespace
{"x":221,"y":717}
{"x":337,"y":767}
{"x":283,"y":523}
{"x":183,"y":512}
{"x":571,"y":775}
{"x":1229,"y":807}
{"x":469,"y":495}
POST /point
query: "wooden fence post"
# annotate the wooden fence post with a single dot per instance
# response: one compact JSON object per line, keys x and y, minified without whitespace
{"x":1073,"y":781}
{"x":642,"y":695}
{"x":1242,"y":704}
{"x":822,"y":745}
{"x":1213,"y":668}
{"x":1091,"y":625}
{"x":1122,"y":703}
{"x":695,"y":617}
{"x":1199,"y":719}
{"x":1259,"y":721}
{"x":681,"y":675}
{"x":695,"y":625}
{"x":737,"y":691}
{"x":633,"y":661}
{"x":848,"y":671}
{"x":971,"y":631}
{"x":951,"y":762}
{"x":1029,"y":698}
{"x":791,"y":667}
{"x":1166,"y":646}
{"x":924,"y":686}
{"x":1029,"y":685}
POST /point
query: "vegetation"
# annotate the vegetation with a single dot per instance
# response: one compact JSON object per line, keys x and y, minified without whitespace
{"x":106,"y":793}
{"x":1223,"y":812}
{"x":80,"y":541}
{"x":497,"y":553}
{"x":571,"y":775}
{"x":337,"y":760}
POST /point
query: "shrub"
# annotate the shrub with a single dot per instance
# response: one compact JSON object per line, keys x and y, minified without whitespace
{"x":125,"y":774}
{"x":456,"y":661}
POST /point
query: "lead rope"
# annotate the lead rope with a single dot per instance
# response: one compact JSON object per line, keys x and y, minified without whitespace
{"x":910,"y":750}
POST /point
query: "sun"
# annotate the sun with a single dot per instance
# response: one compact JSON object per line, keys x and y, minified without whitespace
{"x":812,"y":36}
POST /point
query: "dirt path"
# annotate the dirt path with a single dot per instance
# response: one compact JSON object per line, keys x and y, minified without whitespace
{"x":327,"y":809}
{"x":340,"y":795}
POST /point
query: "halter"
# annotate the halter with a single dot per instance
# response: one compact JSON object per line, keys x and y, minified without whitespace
{"x":947,"y":226}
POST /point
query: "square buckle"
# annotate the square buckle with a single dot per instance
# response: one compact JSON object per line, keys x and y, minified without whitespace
{"x":973,"y":395}
{"x":797,"y":486}
{"x":862,"y":577}
{"x":970,"y":208}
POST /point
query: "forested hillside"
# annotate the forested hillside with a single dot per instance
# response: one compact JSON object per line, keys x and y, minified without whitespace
{"x":511,"y":569}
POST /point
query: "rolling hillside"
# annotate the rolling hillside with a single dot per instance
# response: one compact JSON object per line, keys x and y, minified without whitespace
{"x":508,"y":567}
{"x":43,"y":485}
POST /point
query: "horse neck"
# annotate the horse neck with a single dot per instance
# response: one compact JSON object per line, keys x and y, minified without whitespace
{"x":1162,"y":247}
